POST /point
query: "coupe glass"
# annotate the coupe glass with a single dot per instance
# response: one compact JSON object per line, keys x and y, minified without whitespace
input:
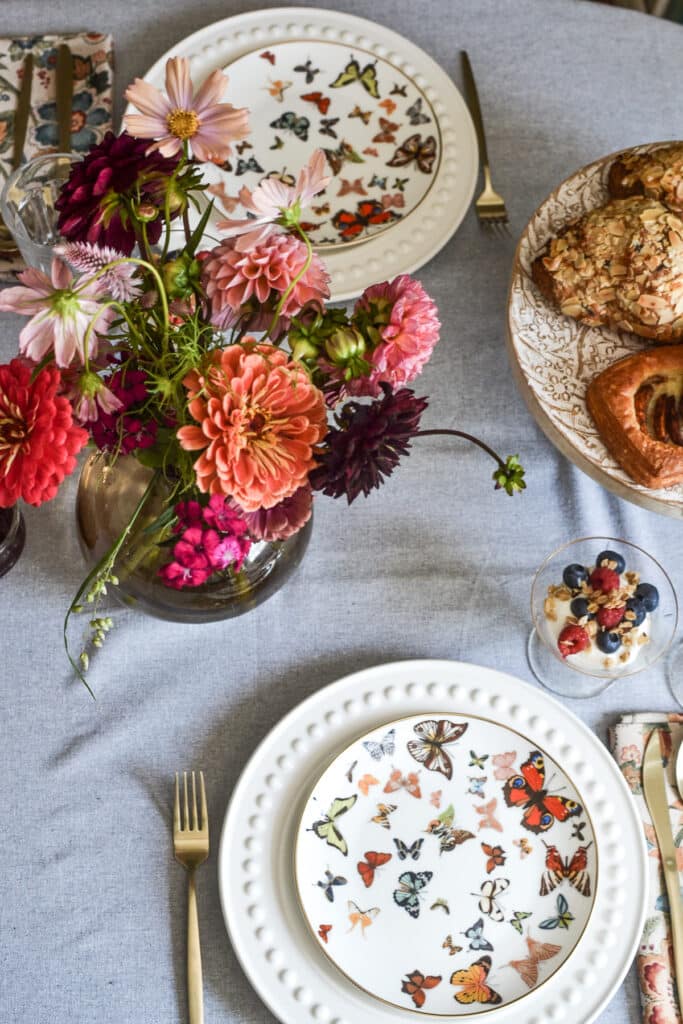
{"x":564,"y":676}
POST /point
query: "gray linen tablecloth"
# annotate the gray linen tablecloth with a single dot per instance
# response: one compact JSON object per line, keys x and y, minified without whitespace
{"x":436,"y":565}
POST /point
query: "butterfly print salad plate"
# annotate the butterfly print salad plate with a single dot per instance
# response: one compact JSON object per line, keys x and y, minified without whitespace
{"x":446,"y":864}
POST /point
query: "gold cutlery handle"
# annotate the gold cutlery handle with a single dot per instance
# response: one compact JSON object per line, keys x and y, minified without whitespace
{"x":195,"y":995}
{"x":475,"y":106}
{"x":673,"y":890}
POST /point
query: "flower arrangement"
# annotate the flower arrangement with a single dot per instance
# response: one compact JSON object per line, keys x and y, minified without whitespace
{"x":222,"y":370}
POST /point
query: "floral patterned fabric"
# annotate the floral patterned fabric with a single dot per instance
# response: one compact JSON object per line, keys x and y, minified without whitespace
{"x":655,"y":958}
{"x":93,"y":65}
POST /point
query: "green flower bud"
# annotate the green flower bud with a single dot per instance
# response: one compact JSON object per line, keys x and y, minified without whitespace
{"x":180,"y":276}
{"x":303,"y":349}
{"x":146,"y":212}
{"x":344,"y":346}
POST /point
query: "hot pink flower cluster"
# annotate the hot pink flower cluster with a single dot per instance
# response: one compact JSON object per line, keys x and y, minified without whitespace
{"x":211,"y":539}
{"x":125,"y":428}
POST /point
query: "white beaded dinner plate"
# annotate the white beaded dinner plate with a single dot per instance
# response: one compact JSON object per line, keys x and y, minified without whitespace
{"x":281,"y":950}
{"x":399,"y":140}
{"x":554,"y":357}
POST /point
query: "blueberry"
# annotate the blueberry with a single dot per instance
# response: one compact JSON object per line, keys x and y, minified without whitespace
{"x":579,"y":608}
{"x":574,"y":575}
{"x":649,"y":595}
{"x":611,"y":556}
{"x":608,"y":642}
{"x":635,"y":605}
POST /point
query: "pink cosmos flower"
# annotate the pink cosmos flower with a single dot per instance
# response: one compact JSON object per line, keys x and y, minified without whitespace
{"x":61,"y":312}
{"x":283,"y":520}
{"x":209,"y":125}
{"x":273,"y":199}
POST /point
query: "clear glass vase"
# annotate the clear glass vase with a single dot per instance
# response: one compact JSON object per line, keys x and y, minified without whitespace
{"x":108,"y":494}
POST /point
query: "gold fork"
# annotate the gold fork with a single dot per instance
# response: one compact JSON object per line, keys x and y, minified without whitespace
{"x":490,"y":206}
{"x":191,"y":848}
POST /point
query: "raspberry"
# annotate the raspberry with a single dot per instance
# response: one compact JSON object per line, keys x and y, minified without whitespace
{"x":608,"y":618}
{"x":604,"y":579}
{"x":573,"y":639}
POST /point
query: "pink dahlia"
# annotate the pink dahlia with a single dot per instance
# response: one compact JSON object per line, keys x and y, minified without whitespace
{"x":258,"y":419}
{"x":236,"y":282}
{"x":282,"y":520}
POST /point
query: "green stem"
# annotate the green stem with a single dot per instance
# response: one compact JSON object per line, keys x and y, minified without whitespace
{"x":467,"y":437}
{"x":152,"y":270}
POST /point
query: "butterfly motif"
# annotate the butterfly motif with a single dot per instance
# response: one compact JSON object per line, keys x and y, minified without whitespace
{"x":400,"y":183}
{"x":277,"y":144}
{"x":382,"y":817}
{"x":367,"y":867}
{"x":368,"y":213}
{"x":435,"y":798}
{"x":409,"y":782}
{"x":415,"y":113}
{"x":558,"y":868}
{"x":248,"y":165}
{"x":412,"y":851}
{"x":517,"y":918}
{"x":432,"y":738}
{"x":327,"y":126}
{"x":449,"y":837}
{"x":409,"y":891}
{"x":291,"y":122}
{"x":415,"y":983}
{"x":276,"y":88}
{"x":379,"y":182}
{"x":524,"y":845}
{"x":398,"y":90}
{"x":347,"y":187}
{"x":476,"y":761}
{"x":577,"y":830}
{"x":366,"y":781}
{"x":389,"y":106}
{"x":496,"y":857}
{"x":538,"y":952}
{"x":283,"y":176}
{"x":541,"y":810}
{"x":370,"y":151}
{"x":362,"y":917}
{"x":504,"y":765}
{"x":487,"y":817}
{"x":267,"y":55}
{"x":563,"y":919}
{"x":327,"y":829}
{"x":440,"y":904}
{"x":328,"y":883}
{"x":386,"y":134}
{"x":385,"y":747}
{"x":319,"y":211}
{"x":321,"y":102}
{"x":476,"y":936}
{"x":473,"y":983}
{"x":349,"y":774}
{"x":241,"y":146}
{"x":227,"y":202}
{"x":352,"y":73}
{"x":323,"y":931}
{"x":344,"y":153}
{"x":488,"y":903}
{"x":476,"y":786}
{"x":364,"y":115}
{"x":448,"y":944}
{"x":423,"y":153}
{"x":308,"y":70}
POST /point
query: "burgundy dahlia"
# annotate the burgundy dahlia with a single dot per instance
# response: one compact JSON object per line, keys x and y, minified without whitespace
{"x":368,"y":443}
{"x":95,"y":200}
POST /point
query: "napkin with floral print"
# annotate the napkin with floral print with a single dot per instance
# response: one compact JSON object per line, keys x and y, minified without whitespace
{"x":656,"y":974}
{"x":91,"y":110}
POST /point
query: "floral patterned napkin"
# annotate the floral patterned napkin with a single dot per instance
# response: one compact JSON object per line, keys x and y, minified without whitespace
{"x":93,"y":65}
{"x":654,"y":960}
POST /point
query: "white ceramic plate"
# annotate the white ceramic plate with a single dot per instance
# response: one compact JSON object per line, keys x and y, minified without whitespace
{"x":399,"y":227}
{"x":554,"y":357}
{"x":279,"y":952}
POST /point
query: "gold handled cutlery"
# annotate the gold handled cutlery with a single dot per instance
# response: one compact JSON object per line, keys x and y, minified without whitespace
{"x":490,"y":206}
{"x":191,"y":848}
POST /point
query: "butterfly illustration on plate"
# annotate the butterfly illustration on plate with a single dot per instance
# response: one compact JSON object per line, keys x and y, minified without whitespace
{"x":563,"y":918}
{"x":251,"y":164}
{"x":277,"y":143}
{"x":267,"y":55}
{"x":367,"y":867}
{"x":344,"y":153}
{"x":327,"y":126}
{"x":320,"y":211}
{"x":362,"y":917}
{"x":385,"y":747}
{"x":400,"y":183}
{"x":378,"y":182}
{"x":496,"y":857}
{"x":415,"y":114}
{"x":415,"y":983}
{"x":382,"y":816}
{"x":435,"y":798}
{"x":487,"y":818}
{"x":473,"y":984}
{"x":423,"y":153}
{"x":517,"y":918}
{"x":396,"y":200}
{"x":321,"y":102}
{"x":409,"y":782}
{"x":349,"y":774}
{"x":353,"y":73}
{"x":283,"y":176}
{"x":450,"y":946}
{"x":348,"y":187}
{"x":577,"y":830}
{"x":327,"y":829}
{"x":364,"y":115}
{"x":368,"y":213}
{"x":476,"y":786}
{"x":398,"y":90}
{"x":227,"y":202}
{"x":329,"y":882}
{"x":433,"y":736}
{"x":557,"y":868}
{"x":525,"y":847}
{"x":441,"y":904}
{"x":475,"y":934}
{"x":323,"y":931}
{"x":488,"y":902}
{"x":308,"y":70}
{"x":409,"y":892}
{"x":526,"y":791}
{"x":538,"y":953}
{"x":241,"y":146}
{"x":370,"y":151}
{"x":449,"y":837}
{"x":412,"y":851}
{"x":503,"y":765}
{"x":291,"y":122}
{"x":477,"y":761}
{"x":387,"y":130}
{"x":388,"y":105}
{"x":277,"y":88}
{"x":365,"y":781}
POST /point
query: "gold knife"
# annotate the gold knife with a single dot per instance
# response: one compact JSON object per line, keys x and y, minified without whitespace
{"x":654,"y":788}
{"x":65,"y":88}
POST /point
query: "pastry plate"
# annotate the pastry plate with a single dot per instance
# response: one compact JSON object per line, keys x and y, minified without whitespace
{"x":307,"y":755}
{"x":399,"y":139}
{"x":554,"y":357}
